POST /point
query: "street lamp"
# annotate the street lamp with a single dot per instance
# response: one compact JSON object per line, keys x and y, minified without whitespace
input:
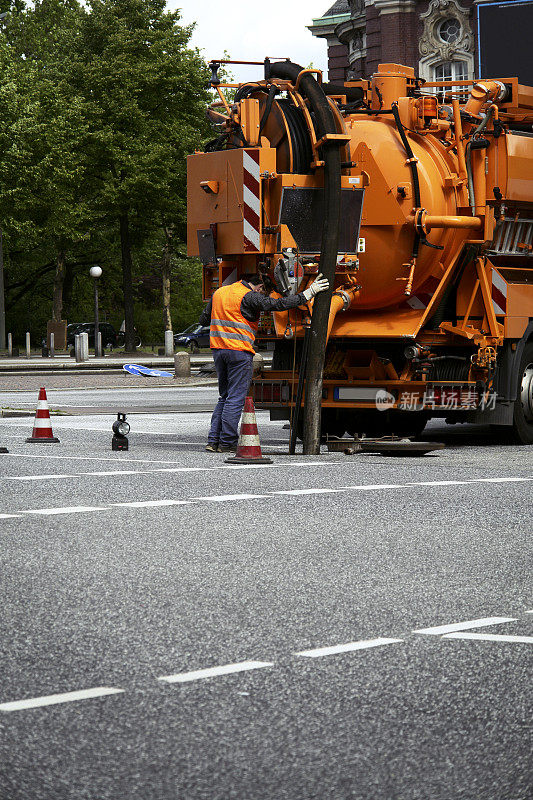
{"x":96,"y":272}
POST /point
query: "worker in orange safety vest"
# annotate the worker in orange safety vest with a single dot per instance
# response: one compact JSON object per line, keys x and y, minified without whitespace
{"x":233,"y":315}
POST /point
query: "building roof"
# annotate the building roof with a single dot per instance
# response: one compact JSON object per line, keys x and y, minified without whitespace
{"x":339,"y":7}
{"x":324,"y":26}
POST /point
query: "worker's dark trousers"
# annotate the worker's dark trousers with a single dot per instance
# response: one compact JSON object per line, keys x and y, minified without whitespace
{"x":234,"y":370}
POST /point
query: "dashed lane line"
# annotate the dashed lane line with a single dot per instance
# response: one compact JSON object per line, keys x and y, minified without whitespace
{"x":66,"y":510}
{"x":307,"y":491}
{"x":267,"y":495}
{"x":104,"y":473}
{"x":244,"y":666}
{"x":54,"y":699}
{"x":490,"y":637}
{"x":213,"y":672}
{"x":439,"y":630}
{"x":346,"y":648}
{"x":92,"y":458}
{"x":376,"y":486}
{"x":153,"y":503}
{"x":470,"y":481}
{"x":226,"y":498}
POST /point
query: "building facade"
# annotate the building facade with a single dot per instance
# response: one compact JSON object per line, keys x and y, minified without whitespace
{"x":436,"y":37}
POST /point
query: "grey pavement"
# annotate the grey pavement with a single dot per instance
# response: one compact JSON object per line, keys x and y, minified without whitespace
{"x":130,"y":395}
{"x":63,"y":362}
{"x":111,"y":362}
{"x":330,"y":550}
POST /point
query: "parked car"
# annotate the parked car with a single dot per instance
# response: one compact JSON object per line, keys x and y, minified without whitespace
{"x":109,"y":334}
{"x":193,"y":337}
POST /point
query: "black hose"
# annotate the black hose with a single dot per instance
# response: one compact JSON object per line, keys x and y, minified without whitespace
{"x":268,"y":107}
{"x":371,"y":112}
{"x":299,"y":393}
{"x":353,"y":94}
{"x":325,"y":123}
{"x":301,"y":143}
{"x":414,"y":172}
{"x":246,"y":90}
{"x":450,"y":368}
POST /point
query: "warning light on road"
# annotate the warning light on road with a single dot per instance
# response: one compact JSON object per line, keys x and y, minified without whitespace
{"x":121,"y":428}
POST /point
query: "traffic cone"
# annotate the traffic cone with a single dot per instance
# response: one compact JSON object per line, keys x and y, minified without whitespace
{"x":42,"y":426}
{"x":248,"y":448}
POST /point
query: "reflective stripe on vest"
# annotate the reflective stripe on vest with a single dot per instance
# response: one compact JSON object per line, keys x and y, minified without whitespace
{"x":229,"y":329}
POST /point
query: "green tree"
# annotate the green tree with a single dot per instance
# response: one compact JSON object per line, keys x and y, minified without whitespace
{"x":42,"y":164}
{"x":144,"y":97}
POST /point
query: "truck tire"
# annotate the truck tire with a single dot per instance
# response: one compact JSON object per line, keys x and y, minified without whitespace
{"x":523,"y":407}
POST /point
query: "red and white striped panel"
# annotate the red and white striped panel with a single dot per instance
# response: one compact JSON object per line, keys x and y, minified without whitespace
{"x":424,"y":294}
{"x":251,"y":196}
{"x":499,"y":293}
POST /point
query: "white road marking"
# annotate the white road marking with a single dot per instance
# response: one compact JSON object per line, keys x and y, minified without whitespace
{"x":37,"y":477}
{"x":54,"y":699}
{"x":369,"y":486}
{"x":114,"y":459}
{"x":154,"y":503}
{"x":346,"y":648}
{"x":529,"y":612}
{"x":268,"y":495}
{"x":9,"y":516}
{"x":224,"y":498}
{"x":111,"y":472}
{"x":439,"y":630}
{"x":213,"y":672}
{"x":503,"y":480}
{"x":490,"y":637}
{"x":441,"y":483}
{"x":66,"y":510}
{"x":307,"y":491}
{"x":220,"y":466}
{"x":436,"y":483}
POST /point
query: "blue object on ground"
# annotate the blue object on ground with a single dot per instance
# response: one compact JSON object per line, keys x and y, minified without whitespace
{"x":138,"y":369}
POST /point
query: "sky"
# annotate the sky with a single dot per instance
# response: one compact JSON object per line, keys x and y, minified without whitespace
{"x":249,"y":31}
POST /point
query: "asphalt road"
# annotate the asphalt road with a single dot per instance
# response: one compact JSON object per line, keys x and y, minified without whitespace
{"x":130,"y":399}
{"x":336,"y":627}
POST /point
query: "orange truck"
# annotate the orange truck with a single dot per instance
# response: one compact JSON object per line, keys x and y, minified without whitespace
{"x":432,"y":309}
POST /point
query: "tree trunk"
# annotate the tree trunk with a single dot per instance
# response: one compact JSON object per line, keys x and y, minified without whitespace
{"x":165,"y":275}
{"x":68,"y":285}
{"x":127,"y":285}
{"x":59,"y":278}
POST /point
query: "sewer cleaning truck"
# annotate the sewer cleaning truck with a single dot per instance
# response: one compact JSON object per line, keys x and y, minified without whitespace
{"x":416,"y":200}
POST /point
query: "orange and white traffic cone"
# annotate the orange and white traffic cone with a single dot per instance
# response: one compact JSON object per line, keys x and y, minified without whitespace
{"x":42,"y":426}
{"x":249,"y":447}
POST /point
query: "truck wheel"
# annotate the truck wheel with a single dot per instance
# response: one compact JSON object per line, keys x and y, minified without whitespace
{"x":523,"y":407}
